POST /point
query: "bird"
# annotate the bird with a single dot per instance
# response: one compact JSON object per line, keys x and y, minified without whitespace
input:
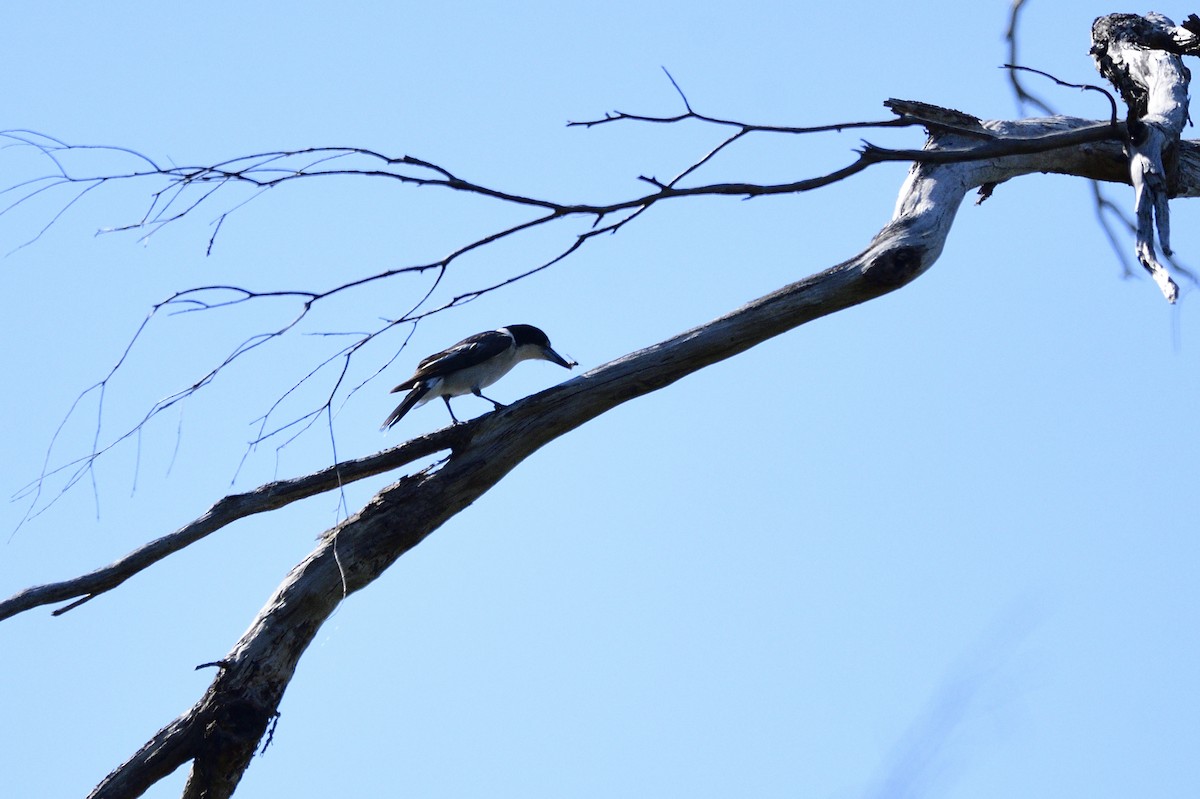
{"x":472,"y":365}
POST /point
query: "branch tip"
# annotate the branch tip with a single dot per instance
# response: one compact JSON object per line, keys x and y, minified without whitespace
{"x":682,"y":96}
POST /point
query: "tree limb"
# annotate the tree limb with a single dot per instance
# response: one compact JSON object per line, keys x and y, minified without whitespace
{"x":1102,"y":161}
{"x":1139,"y":57}
{"x":238,"y":706}
{"x":270,"y":496}
{"x":221,"y":732}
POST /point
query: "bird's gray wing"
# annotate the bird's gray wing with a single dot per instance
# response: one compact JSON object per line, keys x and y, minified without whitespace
{"x":466,"y":353}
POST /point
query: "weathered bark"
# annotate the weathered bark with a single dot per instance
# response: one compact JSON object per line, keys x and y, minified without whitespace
{"x":1140,"y":56}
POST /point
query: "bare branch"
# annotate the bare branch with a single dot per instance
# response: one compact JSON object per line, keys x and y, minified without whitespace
{"x":1137,"y":55}
{"x":1011,"y":143}
{"x":1024,"y":98}
{"x":255,"y":673}
{"x":836,"y":127}
{"x":228,"y":510}
{"x":1112,"y":101}
{"x":1145,"y":165}
{"x":1110,"y":216}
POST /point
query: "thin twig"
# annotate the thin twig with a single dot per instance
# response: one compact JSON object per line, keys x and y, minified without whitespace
{"x":228,"y":510}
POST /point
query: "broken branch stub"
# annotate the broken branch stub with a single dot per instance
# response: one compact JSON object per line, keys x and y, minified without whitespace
{"x":1140,"y":56}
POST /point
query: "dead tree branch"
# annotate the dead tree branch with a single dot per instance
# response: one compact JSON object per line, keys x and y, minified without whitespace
{"x":1140,"y":56}
{"x":270,"y":496}
{"x":221,"y":732}
{"x":1024,"y":97}
{"x":961,"y":139}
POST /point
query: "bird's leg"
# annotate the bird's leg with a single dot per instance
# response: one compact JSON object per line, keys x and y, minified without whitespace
{"x":479,"y":394}
{"x":452,"y":416}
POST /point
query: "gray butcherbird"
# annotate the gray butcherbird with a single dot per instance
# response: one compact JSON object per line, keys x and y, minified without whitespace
{"x":472,"y":365}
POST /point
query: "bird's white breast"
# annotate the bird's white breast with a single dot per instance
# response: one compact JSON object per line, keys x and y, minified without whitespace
{"x":466,"y":381}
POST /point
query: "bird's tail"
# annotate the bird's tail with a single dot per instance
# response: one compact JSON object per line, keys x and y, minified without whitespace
{"x":407,"y":404}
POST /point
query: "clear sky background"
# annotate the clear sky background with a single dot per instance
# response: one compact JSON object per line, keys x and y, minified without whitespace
{"x":943,"y":544}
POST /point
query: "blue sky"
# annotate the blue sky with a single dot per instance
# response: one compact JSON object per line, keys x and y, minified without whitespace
{"x":938,"y":545}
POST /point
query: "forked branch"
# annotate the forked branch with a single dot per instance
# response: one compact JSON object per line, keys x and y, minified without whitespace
{"x":255,"y":673}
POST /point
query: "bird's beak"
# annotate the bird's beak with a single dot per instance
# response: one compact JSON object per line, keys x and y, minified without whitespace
{"x":553,"y":357}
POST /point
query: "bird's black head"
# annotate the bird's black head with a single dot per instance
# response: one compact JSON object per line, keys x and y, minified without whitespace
{"x":528,"y":334}
{"x":531,"y":342}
